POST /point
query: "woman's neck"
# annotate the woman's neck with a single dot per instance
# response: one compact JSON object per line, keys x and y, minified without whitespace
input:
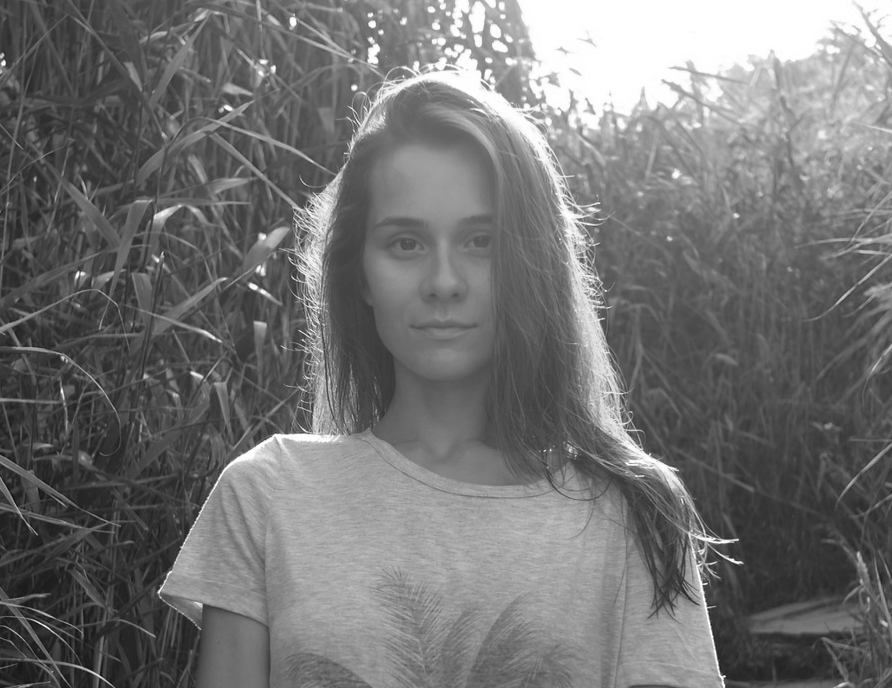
{"x":447,"y":431}
{"x":442,"y":415}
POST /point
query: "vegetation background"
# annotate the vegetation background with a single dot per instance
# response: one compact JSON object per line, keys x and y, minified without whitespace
{"x":151,"y":155}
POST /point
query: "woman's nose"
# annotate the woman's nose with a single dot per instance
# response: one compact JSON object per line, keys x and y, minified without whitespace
{"x":445,"y":278}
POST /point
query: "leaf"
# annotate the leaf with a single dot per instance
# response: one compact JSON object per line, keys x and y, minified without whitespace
{"x":270,"y":141}
{"x":42,"y":279}
{"x":174,"y":66}
{"x":260,"y":329}
{"x":134,"y":75}
{"x":130,"y":40}
{"x":315,"y":671}
{"x":870,"y":464}
{"x":157,"y":448}
{"x":143,"y":286}
{"x":220,"y":185}
{"x":131,"y":224}
{"x":724,"y":358}
{"x":4,"y":490}
{"x":416,"y":631}
{"x":231,"y":89}
{"x":263,"y":249}
{"x":64,"y":357}
{"x":457,"y":651}
{"x":200,"y":404}
{"x":92,"y":213}
{"x":90,"y":589}
{"x":222,"y":396}
{"x":160,"y":317}
{"x":34,"y":314}
{"x":160,"y":218}
{"x":24,"y":622}
{"x":234,"y":152}
{"x":514,"y":654}
{"x":45,"y":519}
{"x":32,"y":479}
{"x":178,"y":145}
{"x":172,"y":315}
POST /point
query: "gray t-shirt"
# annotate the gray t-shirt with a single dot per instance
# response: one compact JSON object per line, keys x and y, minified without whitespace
{"x":370,"y":570}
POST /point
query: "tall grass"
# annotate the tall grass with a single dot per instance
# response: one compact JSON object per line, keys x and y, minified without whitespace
{"x":147,"y":324}
{"x":152,"y":154}
{"x":863,"y":661}
{"x":744,"y":247}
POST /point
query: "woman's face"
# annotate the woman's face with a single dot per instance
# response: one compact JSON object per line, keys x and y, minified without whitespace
{"x":427,"y":262}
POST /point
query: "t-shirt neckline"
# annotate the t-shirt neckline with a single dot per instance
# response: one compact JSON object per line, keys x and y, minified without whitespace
{"x":408,"y":467}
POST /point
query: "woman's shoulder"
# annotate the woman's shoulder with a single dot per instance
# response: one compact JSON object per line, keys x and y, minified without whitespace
{"x":609,"y":503}
{"x":282,"y":458}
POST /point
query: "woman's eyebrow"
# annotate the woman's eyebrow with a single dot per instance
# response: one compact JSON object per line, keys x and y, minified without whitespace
{"x":408,"y":222}
{"x":474,"y":220}
{"x":400,"y":221}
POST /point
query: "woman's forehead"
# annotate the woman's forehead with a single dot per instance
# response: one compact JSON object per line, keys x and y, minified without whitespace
{"x":418,"y":180}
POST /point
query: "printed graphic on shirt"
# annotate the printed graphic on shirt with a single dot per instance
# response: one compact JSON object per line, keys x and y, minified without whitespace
{"x":424,"y":647}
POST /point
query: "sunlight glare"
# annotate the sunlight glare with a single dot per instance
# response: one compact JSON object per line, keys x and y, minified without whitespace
{"x":618,"y":48}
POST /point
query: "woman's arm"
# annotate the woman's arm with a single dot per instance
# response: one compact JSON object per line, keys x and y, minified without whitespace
{"x":233,"y":651}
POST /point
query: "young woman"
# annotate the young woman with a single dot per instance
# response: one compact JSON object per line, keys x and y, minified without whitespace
{"x":477,"y":513}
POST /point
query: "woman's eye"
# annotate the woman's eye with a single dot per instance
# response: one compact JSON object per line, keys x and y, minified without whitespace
{"x":406,"y":244}
{"x":481,"y":241}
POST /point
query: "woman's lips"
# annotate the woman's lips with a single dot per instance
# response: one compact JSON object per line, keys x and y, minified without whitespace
{"x":443,"y":331}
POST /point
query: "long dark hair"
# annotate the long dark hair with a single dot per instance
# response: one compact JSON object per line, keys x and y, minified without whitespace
{"x":553,"y":387}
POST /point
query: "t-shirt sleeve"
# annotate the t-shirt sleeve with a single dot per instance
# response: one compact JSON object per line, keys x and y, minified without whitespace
{"x":669,"y":648}
{"x":222,"y":562}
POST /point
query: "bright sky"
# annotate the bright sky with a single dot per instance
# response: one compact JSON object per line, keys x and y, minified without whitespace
{"x":637,"y":41}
